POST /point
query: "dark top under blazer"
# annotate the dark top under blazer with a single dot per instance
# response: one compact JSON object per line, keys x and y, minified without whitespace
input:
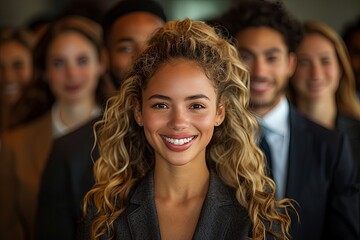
{"x":321,"y":178}
{"x":222,"y":217}
{"x":67,"y":177}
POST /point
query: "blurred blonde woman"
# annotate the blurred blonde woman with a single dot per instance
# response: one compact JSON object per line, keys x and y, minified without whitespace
{"x":65,"y":94}
{"x":178,"y":153}
{"x":323,"y":86}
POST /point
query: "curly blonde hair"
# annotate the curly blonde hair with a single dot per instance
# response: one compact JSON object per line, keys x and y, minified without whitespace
{"x":126,"y":157}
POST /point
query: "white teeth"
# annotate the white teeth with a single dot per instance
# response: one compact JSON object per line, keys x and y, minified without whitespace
{"x":178,"y":142}
{"x":259,"y":86}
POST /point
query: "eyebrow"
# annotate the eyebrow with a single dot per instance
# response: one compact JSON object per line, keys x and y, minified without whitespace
{"x":127,"y":39}
{"x":193,"y":97}
{"x":267,"y":51}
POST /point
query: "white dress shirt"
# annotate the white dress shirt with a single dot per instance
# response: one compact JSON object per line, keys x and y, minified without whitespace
{"x":276,"y":127}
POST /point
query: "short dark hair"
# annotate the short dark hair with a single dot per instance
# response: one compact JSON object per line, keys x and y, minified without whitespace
{"x":350,"y":29}
{"x":261,"y":13}
{"x":128,"y":6}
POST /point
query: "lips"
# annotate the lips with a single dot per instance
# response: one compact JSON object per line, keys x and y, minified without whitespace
{"x":11,"y":88}
{"x":315,"y":86}
{"x":178,"y":144}
{"x":177,"y":141}
{"x":72,"y":88}
{"x":260,"y":86}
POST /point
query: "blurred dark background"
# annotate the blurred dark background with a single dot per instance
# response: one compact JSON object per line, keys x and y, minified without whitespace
{"x":335,"y":13}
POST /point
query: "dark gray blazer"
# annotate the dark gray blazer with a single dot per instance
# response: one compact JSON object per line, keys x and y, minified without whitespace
{"x":222,"y":217}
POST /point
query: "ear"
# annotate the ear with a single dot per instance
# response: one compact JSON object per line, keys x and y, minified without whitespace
{"x":292,"y":64}
{"x":138,"y":116}
{"x":220,"y":115}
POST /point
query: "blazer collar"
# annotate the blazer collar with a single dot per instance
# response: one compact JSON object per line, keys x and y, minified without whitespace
{"x":142,"y":216}
{"x":214,"y":216}
{"x":217,"y":211}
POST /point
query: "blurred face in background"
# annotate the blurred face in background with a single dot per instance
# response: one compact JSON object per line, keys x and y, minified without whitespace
{"x":318,"y":71}
{"x":265,"y":53}
{"x":16,"y":70}
{"x":127,"y":39}
{"x":73,"y":68}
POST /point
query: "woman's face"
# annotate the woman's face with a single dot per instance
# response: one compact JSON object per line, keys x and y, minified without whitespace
{"x":15,"y":70}
{"x":179,"y":113}
{"x":72,"y":68}
{"x":318,"y":72}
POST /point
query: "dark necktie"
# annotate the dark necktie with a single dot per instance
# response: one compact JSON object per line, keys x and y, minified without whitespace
{"x":266,"y":149}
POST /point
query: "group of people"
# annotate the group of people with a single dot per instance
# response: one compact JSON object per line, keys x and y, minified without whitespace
{"x":146,"y":128}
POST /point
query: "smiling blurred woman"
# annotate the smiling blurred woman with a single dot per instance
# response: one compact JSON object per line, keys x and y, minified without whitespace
{"x":16,"y":69}
{"x":323,"y":86}
{"x":67,"y":93}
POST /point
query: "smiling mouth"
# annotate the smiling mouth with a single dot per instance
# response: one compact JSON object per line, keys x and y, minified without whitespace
{"x":178,"y":141}
{"x":11,"y":88}
{"x":259,"y":86}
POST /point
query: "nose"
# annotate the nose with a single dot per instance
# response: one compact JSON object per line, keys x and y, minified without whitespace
{"x":316,"y":71}
{"x":178,"y":119}
{"x":71,"y":70}
{"x":258,"y":68}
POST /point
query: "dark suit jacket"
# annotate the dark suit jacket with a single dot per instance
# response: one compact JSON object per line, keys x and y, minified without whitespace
{"x":321,"y":178}
{"x":67,"y":177}
{"x":222,"y":217}
{"x":351,"y":127}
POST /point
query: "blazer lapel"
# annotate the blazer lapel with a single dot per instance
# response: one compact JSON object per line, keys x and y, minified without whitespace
{"x":142,"y":216}
{"x":299,"y":161}
{"x":215,"y":216}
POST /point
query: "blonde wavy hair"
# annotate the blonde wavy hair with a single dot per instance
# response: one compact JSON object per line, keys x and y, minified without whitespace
{"x":126,"y":157}
{"x":346,"y":99}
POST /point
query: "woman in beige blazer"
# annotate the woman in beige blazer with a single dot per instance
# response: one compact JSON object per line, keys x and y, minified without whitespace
{"x":68,"y":68}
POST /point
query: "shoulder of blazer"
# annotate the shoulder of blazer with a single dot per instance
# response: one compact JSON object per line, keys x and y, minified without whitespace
{"x":304,"y":125}
{"x":347,"y":124}
{"x":80,"y":134}
{"x":40,"y":127}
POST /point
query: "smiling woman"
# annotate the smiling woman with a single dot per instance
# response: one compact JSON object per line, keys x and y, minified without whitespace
{"x":323,"y":87}
{"x":64,"y":94}
{"x":16,"y":68}
{"x":178,"y":151}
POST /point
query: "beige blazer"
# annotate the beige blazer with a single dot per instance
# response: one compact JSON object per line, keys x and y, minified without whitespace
{"x":23,"y":155}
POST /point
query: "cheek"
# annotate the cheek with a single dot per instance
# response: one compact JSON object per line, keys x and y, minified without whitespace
{"x":26,"y":75}
{"x":334,"y":77}
{"x":205,"y":124}
{"x":121,"y":62}
{"x":300,"y":77}
{"x":333,"y":72}
{"x":55,"y":80}
{"x":153,"y":122}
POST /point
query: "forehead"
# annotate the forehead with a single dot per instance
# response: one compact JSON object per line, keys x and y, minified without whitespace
{"x":13,"y":48}
{"x":180,"y":77}
{"x":70,"y":42}
{"x":260,"y":38}
{"x":137,"y":25}
{"x":315,"y":40}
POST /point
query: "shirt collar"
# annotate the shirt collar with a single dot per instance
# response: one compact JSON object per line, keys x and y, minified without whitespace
{"x":277,"y":119}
